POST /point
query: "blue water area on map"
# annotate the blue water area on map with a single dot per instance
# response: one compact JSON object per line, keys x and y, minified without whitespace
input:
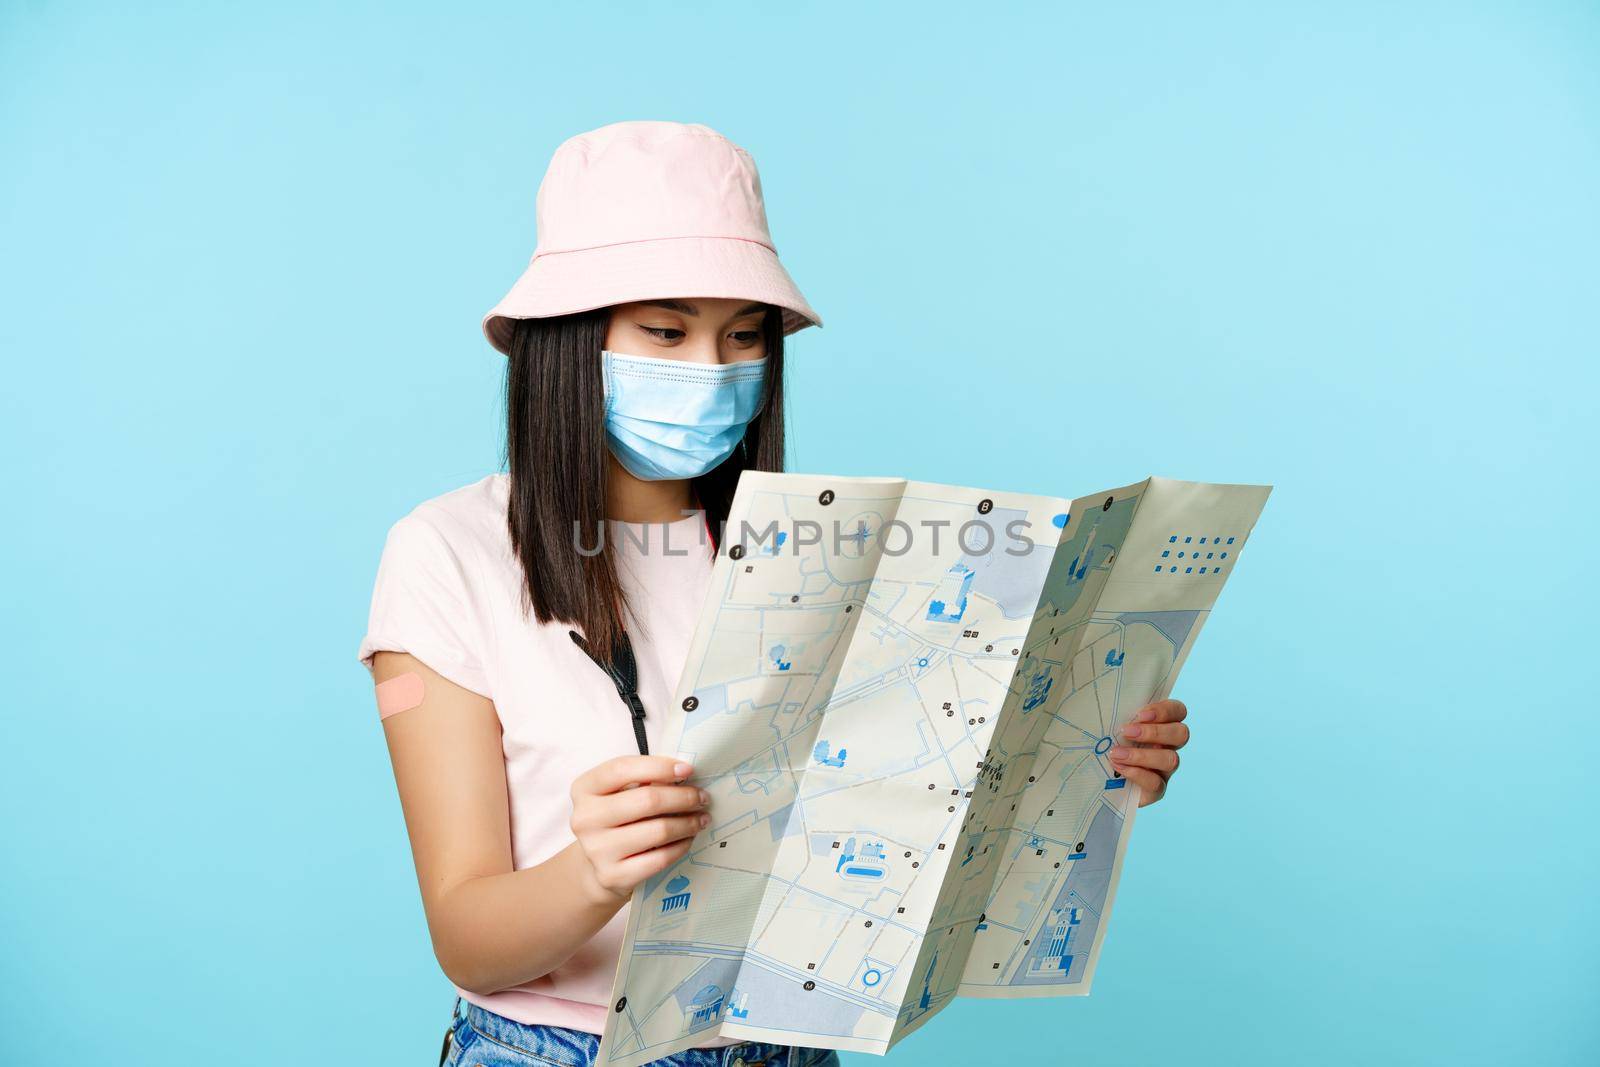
{"x":1175,"y":626}
{"x":713,"y":702}
{"x":781,"y":1001}
{"x":780,"y":824}
{"x":1011,"y":581}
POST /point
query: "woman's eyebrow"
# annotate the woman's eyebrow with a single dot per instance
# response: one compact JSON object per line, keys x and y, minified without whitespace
{"x":690,"y":309}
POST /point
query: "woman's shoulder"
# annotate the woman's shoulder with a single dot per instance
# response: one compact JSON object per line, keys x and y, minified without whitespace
{"x":436,"y":583}
{"x":469,"y":521}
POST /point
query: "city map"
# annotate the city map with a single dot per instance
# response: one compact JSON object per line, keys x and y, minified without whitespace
{"x":900,"y":697}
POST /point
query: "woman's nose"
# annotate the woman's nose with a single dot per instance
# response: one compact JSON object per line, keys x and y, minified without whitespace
{"x":702,"y":351}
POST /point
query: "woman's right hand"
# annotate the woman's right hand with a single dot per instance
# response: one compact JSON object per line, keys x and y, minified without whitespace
{"x":632,"y":819}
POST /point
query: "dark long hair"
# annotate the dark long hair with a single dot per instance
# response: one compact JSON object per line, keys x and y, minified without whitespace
{"x":556,"y":456}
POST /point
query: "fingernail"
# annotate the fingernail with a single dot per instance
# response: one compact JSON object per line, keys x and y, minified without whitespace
{"x":1120,"y":753}
{"x":705,"y":798}
{"x":1147,"y":715}
{"x":705,"y":820}
{"x":1133,"y":729}
{"x":682,"y":770}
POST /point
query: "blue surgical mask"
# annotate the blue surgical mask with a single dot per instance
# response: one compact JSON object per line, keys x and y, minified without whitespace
{"x":667,"y":418}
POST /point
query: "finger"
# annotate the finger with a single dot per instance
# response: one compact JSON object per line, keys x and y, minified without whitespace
{"x":1170,"y":734}
{"x":645,"y":802}
{"x":1161,"y":760}
{"x":624,"y":771}
{"x":636,"y":869}
{"x":637,"y":837}
{"x":1162,"y":711}
{"x":1152,"y":787}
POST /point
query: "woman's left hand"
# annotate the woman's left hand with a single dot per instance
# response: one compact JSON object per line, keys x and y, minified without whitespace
{"x":1158,"y":731}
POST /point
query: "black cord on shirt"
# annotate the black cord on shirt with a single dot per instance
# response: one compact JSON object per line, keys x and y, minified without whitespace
{"x":624,"y":674}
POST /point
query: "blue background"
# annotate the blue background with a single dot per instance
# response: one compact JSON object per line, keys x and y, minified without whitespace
{"x":1348,"y":251}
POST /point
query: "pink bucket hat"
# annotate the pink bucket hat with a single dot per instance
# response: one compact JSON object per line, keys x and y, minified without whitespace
{"x":648,"y":211}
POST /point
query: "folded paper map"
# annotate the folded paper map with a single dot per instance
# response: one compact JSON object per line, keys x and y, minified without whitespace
{"x":900,"y":697}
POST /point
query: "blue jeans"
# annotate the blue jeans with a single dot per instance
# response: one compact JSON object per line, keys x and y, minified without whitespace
{"x":480,"y":1037}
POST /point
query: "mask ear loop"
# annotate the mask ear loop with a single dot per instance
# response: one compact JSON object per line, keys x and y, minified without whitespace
{"x":761,"y":402}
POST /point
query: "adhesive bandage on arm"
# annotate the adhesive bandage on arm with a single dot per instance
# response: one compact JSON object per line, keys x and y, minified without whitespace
{"x":400,"y":693}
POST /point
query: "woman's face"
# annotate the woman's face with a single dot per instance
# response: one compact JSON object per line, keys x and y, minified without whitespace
{"x":700,"y":329}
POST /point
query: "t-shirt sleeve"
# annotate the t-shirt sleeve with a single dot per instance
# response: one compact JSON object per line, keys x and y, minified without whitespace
{"x":424,"y":603}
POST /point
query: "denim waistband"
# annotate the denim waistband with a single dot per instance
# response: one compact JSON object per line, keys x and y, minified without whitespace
{"x":578,"y":1048}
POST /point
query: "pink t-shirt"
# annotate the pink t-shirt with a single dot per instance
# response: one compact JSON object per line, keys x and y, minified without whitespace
{"x":448,"y":592}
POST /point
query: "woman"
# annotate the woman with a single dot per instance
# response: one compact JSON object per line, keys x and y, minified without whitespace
{"x":645,"y":344}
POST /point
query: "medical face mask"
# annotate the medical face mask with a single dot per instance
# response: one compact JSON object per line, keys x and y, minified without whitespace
{"x":666,"y":418}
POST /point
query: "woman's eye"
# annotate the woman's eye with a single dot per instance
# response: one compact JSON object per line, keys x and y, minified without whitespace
{"x":747,"y":337}
{"x":663,"y":331}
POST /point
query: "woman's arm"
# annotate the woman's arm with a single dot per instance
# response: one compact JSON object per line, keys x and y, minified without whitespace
{"x":494,"y":927}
